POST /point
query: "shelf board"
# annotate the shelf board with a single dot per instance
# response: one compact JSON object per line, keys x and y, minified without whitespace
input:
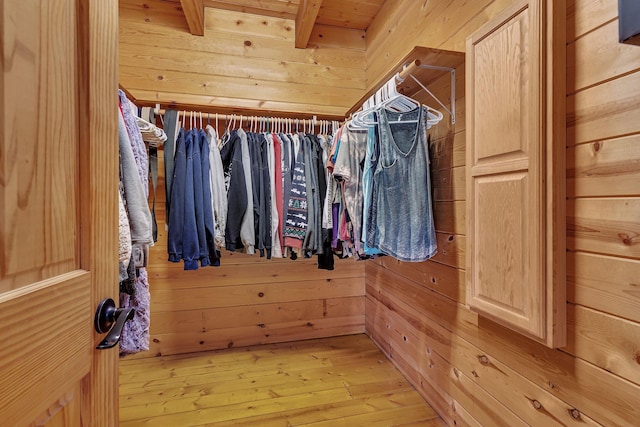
{"x":427,"y":56}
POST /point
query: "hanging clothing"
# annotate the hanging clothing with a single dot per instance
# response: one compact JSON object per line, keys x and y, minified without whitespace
{"x":124,"y":234}
{"x":247,"y":225}
{"x":135,"y":138}
{"x":275,"y":176}
{"x":183,"y":230}
{"x":218,"y":191}
{"x":134,"y":288}
{"x":402,"y":191}
{"x":296,"y":221}
{"x":171,"y":128}
{"x":370,"y":164}
{"x":209,"y":224}
{"x":136,"y":200}
{"x":176,"y":216}
{"x":135,"y":334}
{"x":237,"y":201}
{"x":287,"y":176}
{"x":265,"y":198}
{"x":348,"y":168}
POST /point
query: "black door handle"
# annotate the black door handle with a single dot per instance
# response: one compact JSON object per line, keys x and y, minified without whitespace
{"x":110,"y":319}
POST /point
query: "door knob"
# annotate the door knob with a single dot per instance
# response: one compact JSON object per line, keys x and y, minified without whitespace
{"x":110,"y":319}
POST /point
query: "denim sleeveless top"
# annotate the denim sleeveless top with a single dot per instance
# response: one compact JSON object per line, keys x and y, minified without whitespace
{"x":402,"y":209}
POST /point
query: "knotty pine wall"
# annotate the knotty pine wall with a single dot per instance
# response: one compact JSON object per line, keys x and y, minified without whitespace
{"x":475,"y":372}
{"x":242,"y":61}
{"x":248,"y":300}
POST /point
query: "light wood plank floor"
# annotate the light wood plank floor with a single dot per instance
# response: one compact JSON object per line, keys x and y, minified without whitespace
{"x":342,"y":381}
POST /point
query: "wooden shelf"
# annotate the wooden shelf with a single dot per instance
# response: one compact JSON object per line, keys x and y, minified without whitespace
{"x":426,"y":56}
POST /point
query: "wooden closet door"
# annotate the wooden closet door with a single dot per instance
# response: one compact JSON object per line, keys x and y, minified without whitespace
{"x":515,"y":183}
{"x":58,"y":214}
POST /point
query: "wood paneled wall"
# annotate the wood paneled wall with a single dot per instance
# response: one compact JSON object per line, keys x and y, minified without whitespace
{"x":475,"y":372}
{"x":472,"y":371}
{"x":243,"y":61}
{"x":248,"y":300}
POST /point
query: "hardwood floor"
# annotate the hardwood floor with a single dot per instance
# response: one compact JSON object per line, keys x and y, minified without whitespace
{"x":341,"y":381}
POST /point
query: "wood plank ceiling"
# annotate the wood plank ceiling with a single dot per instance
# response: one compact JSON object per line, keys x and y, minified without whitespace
{"x":249,"y":56}
{"x":352,"y":14}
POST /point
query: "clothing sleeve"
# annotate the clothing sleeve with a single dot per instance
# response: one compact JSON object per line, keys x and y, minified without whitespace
{"x":176,"y":214}
{"x":237,"y":195}
{"x":136,"y":202}
{"x":342,"y":166}
{"x":190,"y":246}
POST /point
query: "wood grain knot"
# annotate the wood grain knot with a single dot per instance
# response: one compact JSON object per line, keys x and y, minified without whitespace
{"x":597,"y":146}
{"x":536,"y":404}
{"x":484,"y":360}
{"x":638,"y":358}
{"x":160,"y":77}
{"x":551,"y":385}
{"x":247,"y":43}
{"x":626,"y":239}
{"x":261,"y":294}
{"x":575,"y":414}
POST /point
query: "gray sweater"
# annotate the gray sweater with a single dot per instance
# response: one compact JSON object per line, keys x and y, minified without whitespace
{"x":135,"y":200}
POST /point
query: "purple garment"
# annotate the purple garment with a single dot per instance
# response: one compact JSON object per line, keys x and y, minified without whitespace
{"x":139,"y":149}
{"x":135,"y":335}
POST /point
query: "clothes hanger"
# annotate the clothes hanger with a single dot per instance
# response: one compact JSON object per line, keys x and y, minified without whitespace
{"x":396,"y":101}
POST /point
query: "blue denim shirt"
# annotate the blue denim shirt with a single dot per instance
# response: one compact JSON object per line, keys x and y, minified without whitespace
{"x":183,"y":240}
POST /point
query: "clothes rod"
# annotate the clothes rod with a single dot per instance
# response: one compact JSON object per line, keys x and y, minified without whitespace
{"x":411,"y":68}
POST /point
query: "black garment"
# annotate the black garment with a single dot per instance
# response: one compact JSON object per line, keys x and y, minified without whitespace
{"x":325,"y":258}
{"x":237,"y":200}
{"x":261,"y":180}
{"x":256,"y":159}
{"x":321,"y":190}
{"x":309,"y":245}
{"x":170,"y":123}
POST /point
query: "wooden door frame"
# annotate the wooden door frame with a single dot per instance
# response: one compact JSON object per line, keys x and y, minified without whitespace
{"x":98,"y":131}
